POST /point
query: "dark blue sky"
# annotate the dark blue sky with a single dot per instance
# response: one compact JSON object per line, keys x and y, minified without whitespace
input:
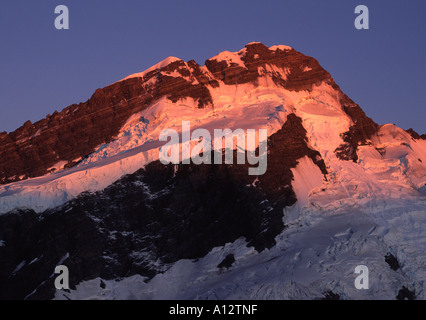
{"x":43,"y":69}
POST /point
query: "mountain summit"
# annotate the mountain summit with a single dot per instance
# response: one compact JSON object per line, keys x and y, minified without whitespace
{"x":62,"y":139}
{"x":84,"y":187}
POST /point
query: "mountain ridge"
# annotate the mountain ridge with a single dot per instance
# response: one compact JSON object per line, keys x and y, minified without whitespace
{"x":68,"y":136}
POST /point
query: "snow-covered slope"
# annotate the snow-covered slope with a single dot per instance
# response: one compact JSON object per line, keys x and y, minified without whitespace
{"x":260,"y":96}
{"x":366,"y":212}
{"x":316,"y":254}
{"x":298,"y":270}
{"x":246,"y":107}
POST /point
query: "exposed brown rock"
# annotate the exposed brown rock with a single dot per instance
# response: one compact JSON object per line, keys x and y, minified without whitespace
{"x":285,"y":147}
{"x":257,"y":55}
{"x":77,"y":130}
{"x":415,"y":135}
{"x":303,"y":73}
{"x":361,"y":131}
{"x":73,"y":133}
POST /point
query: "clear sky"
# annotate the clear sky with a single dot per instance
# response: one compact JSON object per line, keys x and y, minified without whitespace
{"x":42,"y":69}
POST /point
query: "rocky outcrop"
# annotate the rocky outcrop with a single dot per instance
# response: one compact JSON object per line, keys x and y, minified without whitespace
{"x":415,"y":135}
{"x":285,"y":147}
{"x":302,"y":71}
{"x":71,"y":134}
{"x":359,"y":133}
{"x":76,"y":131}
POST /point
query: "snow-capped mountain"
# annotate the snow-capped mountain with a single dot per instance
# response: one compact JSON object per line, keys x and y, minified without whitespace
{"x":84,"y":187}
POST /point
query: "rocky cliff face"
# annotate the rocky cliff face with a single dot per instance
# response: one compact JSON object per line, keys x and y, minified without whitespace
{"x":302,"y":72}
{"x":415,"y":135}
{"x":358,"y":134}
{"x":68,"y":136}
{"x":71,"y":134}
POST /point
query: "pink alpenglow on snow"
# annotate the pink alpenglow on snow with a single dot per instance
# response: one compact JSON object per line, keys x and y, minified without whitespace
{"x":176,"y":151}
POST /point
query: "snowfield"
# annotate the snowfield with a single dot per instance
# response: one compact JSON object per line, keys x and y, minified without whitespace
{"x":317,"y":253}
